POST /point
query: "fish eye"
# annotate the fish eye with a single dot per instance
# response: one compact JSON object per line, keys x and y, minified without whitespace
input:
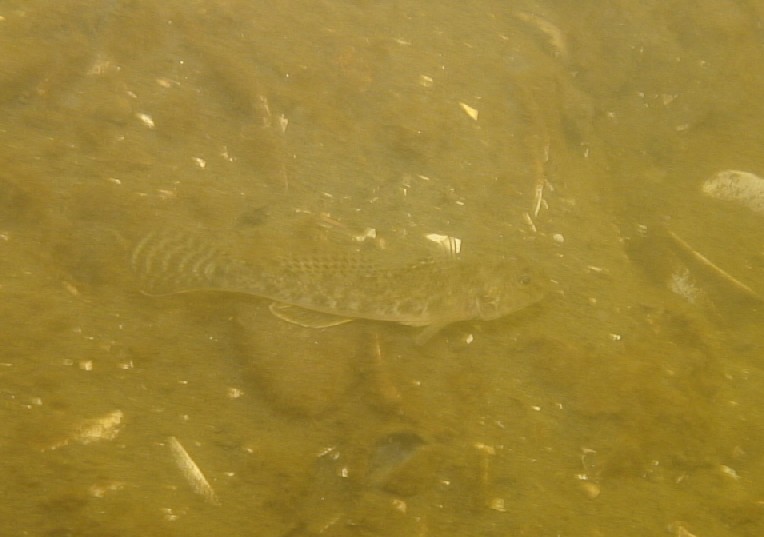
{"x":524,"y":280}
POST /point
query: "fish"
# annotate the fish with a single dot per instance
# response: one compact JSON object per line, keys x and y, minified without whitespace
{"x":323,"y":290}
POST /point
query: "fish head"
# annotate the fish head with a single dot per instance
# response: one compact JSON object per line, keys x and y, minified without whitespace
{"x":505,"y":287}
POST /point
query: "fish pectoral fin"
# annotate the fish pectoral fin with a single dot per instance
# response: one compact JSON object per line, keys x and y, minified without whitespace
{"x":305,"y":317}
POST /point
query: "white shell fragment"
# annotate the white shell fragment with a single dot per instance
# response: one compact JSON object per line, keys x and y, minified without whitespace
{"x":191,"y":471}
{"x":472,"y":112}
{"x":451,"y":245}
{"x":742,"y":187}
{"x":425,"y":81}
{"x":146,"y":119}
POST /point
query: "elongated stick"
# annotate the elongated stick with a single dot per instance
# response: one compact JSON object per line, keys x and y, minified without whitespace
{"x":191,"y":471}
{"x":703,"y":260}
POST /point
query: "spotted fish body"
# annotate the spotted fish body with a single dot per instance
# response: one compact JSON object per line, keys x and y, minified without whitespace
{"x":430,"y":292}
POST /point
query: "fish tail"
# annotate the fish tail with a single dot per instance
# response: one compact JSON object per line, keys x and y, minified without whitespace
{"x":167,"y":263}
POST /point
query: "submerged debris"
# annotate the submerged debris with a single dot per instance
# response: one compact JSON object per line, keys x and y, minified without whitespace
{"x":106,"y":427}
{"x":451,"y":245}
{"x":682,"y":283}
{"x":714,"y":269}
{"x":742,"y":187}
{"x":191,"y":471}
{"x":470,"y":111}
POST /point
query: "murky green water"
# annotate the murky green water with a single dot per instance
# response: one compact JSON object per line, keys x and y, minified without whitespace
{"x":627,"y":402}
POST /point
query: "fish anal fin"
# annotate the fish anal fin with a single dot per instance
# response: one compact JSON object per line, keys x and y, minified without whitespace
{"x":304,"y":317}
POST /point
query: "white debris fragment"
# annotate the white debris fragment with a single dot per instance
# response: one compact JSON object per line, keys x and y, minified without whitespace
{"x":99,"y":490}
{"x":282,"y":122}
{"x":729,"y":472}
{"x":191,"y":471}
{"x":234,"y":393}
{"x":200,"y":162}
{"x":745,"y":188}
{"x":497,"y":504}
{"x":485,"y":448}
{"x":451,"y":245}
{"x":678,"y":529}
{"x":168,"y":514}
{"x":145,"y":119}
{"x":164,"y":82}
{"x":106,"y":427}
{"x":683,"y":284}
{"x":226,"y":154}
{"x":71,"y":288}
{"x":101,"y":66}
{"x":538,"y":197}
{"x":529,"y":221}
{"x":166,"y":194}
{"x":425,"y":81}
{"x":591,"y":490}
{"x":368,"y":233}
{"x":472,"y":112}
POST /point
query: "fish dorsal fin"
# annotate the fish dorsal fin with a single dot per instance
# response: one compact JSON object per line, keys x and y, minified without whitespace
{"x":304,"y":317}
